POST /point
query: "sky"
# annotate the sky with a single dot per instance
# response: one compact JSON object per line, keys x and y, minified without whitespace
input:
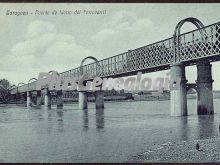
{"x":39,"y":43}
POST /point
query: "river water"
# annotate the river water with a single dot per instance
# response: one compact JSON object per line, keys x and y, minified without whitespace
{"x":115,"y":134}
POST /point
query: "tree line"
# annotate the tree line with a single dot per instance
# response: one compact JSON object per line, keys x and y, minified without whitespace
{"x":5,"y":86}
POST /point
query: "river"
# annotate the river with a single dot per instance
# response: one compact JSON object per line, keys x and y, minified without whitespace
{"x":115,"y":134}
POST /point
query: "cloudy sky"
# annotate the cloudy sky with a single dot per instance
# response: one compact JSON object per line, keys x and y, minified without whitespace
{"x":38,"y":43}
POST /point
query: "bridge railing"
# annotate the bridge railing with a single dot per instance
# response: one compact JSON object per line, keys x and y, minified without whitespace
{"x":23,"y":88}
{"x":195,"y":46}
{"x":156,"y":56}
{"x":152,"y":55}
{"x":192,"y":46}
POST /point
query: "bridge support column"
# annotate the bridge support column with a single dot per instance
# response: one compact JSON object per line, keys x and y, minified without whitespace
{"x":178,"y":90}
{"x":83,"y":100}
{"x":38,"y":97}
{"x":47,"y":98}
{"x":99,"y":100}
{"x":29,"y":102}
{"x":204,"y":84}
{"x":59,"y":99}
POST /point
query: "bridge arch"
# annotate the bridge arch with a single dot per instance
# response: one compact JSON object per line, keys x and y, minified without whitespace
{"x":30,"y":81}
{"x":191,"y":86}
{"x":21,"y":83}
{"x":82,"y":62}
{"x":53,"y":71}
{"x":13,"y":86}
{"x":176,"y":35}
{"x":192,"y":20}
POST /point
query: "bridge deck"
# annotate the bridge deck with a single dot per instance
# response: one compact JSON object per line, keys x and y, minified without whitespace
{"x":154,"y":57}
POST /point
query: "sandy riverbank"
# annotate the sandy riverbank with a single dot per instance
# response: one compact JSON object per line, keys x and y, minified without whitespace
{"x":182,"y":152}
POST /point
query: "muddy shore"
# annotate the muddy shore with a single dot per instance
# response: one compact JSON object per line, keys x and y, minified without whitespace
{"x":182,"y":152}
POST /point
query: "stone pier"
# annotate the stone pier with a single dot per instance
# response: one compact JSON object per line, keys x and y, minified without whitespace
{"x":178,"y":90}
{"x":204,"y":84}
{"x":38,"y":98}
{"x":83,"y":100}
{"x":59,"y":99}
{"x":29,"y":101}
{"x":99,"y":100}
{"x":47,"y":98}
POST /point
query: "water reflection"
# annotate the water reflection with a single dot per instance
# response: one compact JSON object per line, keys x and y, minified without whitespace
{"x":184,"y":131}
{"x":50,"y":116}
{"x":206,"y":127}
{"x":55,"y":117}
{"x":47,"y":108}
{"x":60,"y":123}
{"x":100,"y":118}
{"x":35,"y":114}
{"x":116,"y":132}
{"x":85,"y":120}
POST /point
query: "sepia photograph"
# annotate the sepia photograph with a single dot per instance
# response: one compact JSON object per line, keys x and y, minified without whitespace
{"x":109,"y":82}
